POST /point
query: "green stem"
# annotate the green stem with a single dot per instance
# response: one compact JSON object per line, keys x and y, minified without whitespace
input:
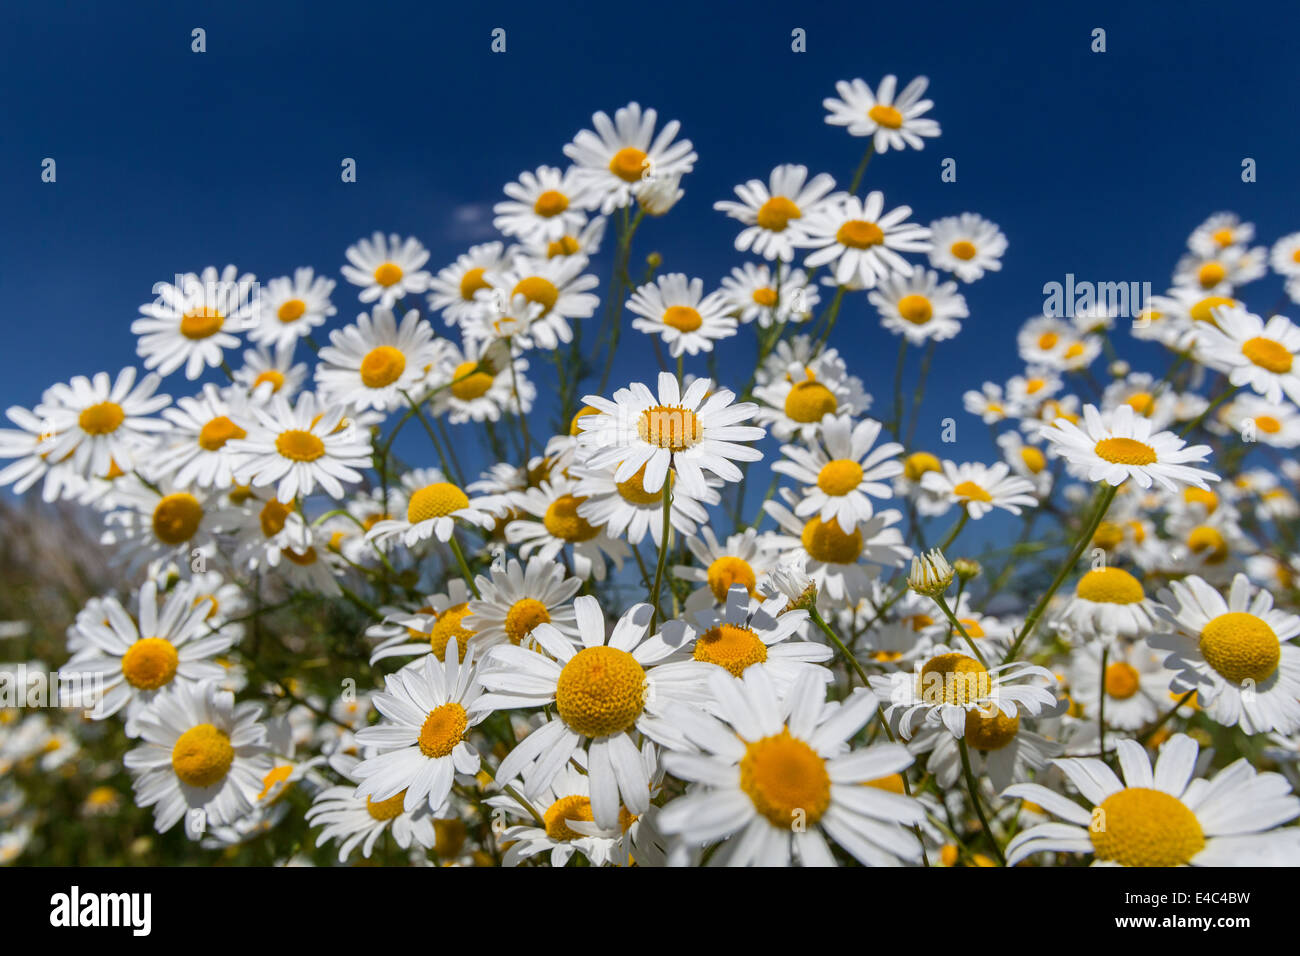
{"x":1101,"y":703}
{"x":952,"y":619}
{"x":839,"y":646}
{"x":973,"y":789}
{"x":464,"y":565}
{"x":663,"y":552}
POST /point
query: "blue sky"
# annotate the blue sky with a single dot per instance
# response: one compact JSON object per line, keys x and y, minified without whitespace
{"x":1095,"y":164}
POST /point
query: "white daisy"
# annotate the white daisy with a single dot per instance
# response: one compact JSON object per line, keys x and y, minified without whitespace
{"x":619,"y":160}
{"x":359,"y":821}
{"x":453,"y":290}
{"x":773,"y":213}
{"x":372,"y":363}
{"x":480,"y":382}
{"x":862,"y":240}
{"x":1000,"y":748}
{"x":840,"y":469}
{"x":743,"y":559}
{"x":1220,"y":231}
{"x":517,"y":598}
{"x":891,"y":121}
{"x":1107,"y":603}
{"x":266,"y":373}
{"x":551,"y":523}
{"x":752,"y":294}
{"x":1253,"y":352}
{"x":1165,"y":817}
{"x":981,"y":488}
{"x":967,"y":246}
{"x":677,"y":309}
{"x":1285,"y":255}
{"x":192,"y":322}
{"x":98,"y":423}
{"x":1136,"y":684}
{"x":919,"y":306}
{"x":543,"y":206}
{"x":194,"y":451}
{"x":558,"y":285}
{"x":1121,"y":445}
{"x":624,"y":509}
{"x":289,"y":309}
{"x":432,"y":511}
{"x":387,"y":269}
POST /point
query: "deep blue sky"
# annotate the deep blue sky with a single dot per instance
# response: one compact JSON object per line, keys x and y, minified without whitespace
{"x":1096,"y":164}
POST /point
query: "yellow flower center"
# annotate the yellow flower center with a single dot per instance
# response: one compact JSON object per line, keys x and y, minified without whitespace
{"x":467,"y":384}
{"x":1208,"y":542}
{"x":1139,"y":826}
{"x":1241,"y":647}
{"x":551,"y":203}
{"x":1203,"y":311}
{"x":273,"y":516}
{"x":274,"y":376}
{"x":299,"y":445}
{"x":524,"y":615}
{"x":1109,"y":536}
{"x":273,"y":781}
{"x":1121,"y":680}
{"x":1048,"y":340}
{"x":1224,"y":237}
{"x":916,"y":309}
{"x":1125,"y":451}
{"x":435,"y":501}
{"x":990,"y":733}
{"x":451,"y":623}
{"x":561,"y":811}
{"x":839,"y":477}
{"x":538,"y":290}
{"x":786,"y":780}
{"x":176,"y":517}
{"x":808,"y":401}
{"x":291,"y":310}
{"x":601,"y":691}
{"x":304,"y":559}
{"x":954,"y":679}
{"x":970,"y":491}
{"x":443,"y":729}
{"x":1034,"y":385}
{"x":217,"y":432}
{"x":1211,"y":274}
{"x":1034,"y":459}
{"x":918,"y":463}
{"x":1268,"y":424}
{"x":826,"y":542}
{"x":729,"y":570}
{"x":963,"y":249}
{"x":101,"y":419}
{"x":765,"y":296}
{"x":1110,"y":586}
{"x":382,"y":366}
{"x":886,"y":116}
{"x":628,"y":164}
{"x":1268,"y":354}
{"x":149,"y":663}
{"x":633,"y":490}
{"x":564,"y":246}
{"x":972,"y":626}
{"x":386,"y":809}
{"x":1075,"y":350}
{"x":670,"y":426}
{"x":1143,"y":403}
{"x":388,"y":273}
{"x":683,"y":318}
{"x":472,"y":281}
{"x":201,"y":323}
{"x":1202,"y":496}
{"x":775,"y":214}
{"x":202,"y":756}
{"x":730,"y":646}
{"x":563,"y":521}
{"x":859,"y":234}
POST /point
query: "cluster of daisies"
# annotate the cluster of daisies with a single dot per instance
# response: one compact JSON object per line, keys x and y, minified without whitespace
{"x":599,"y":649}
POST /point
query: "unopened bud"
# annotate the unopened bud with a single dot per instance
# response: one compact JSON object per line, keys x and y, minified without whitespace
{"x":931,"y":573}
{"x":966,"y":568}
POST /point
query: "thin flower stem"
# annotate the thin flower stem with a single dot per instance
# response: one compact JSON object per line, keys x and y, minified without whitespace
{"x":1226,"y":394}
{"x":1164,"y":718}
{"x":1101,"y":703}
{"x":973,"y":789}
{"x":464,"y":565}
{"x":839,"y":646}
{"x":861,"y":171}
{"x":956,"y":530}
{"x":519,"y":404}
{"x":952,"y":619}
{"x":663,"y":551}
{"x":896,"y":422}
{"x":1107,"y":496}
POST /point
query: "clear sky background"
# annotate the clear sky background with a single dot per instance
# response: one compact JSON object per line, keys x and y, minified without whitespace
{"x":168,"y":160}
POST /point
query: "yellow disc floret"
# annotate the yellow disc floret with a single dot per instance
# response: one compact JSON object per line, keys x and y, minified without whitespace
{"x":825,"y":541}
{"x":601,"y":691}
{"x":1110,"y":586}
{"x":954,"y":679}
{"x":202,"y":756}
{"x":176,"y":517}
{"x":150,"y":663}
{"x":786,"y":780}
{"x":524,"y":615}
{"x":839,"y":477}
{"x":443,"y":729}
{"x":730,"y":646}
{"x":1241,"y":647}
{"x":1140,"y":826}
{"x":437,"y":500}
{"x":727,"y":571}
{"x":382,"y":366}
{"x":1125,"y":451}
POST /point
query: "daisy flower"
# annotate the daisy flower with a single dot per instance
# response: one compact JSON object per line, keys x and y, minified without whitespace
{"x":1027,"y":461}
{"x":194,"y":452}
{"x":951,"y":685}
{"x":98,"y":422}
{"x":296,"y":448}
{"x":480,"y":382}
{"x":981,"y":488}
{"x":192,"y":322}
{"x":387,"y":269}
{"x":443,"y":620}
{"x":624,"y":509}
{"x":136,"y":661}
{"x":30,"y":444}
{"x":798,"y":391}
{"x":359,"y":821}
{"x":752,"y":294}
{"x":543,"y":206}
{"x":742,"y":559}
{"x":1253,"y":352}
{"x":516,"y":599}
{"x":832,"y":557}
{"x":1220,"y":231}
{"x":1285,"y":255}
{"x":1108,"y":603}
{"x":372,"y":363}
{"x":432,"y":511}
{"x":862,"y":240}
{"x":1135,"y":683}
{"x":1141,"y":392}
{"x":602,"y":690}
{"x":967,"y":246}
{"x":919,"y":306}
{"x":988,"y":403}
{"x":775,"y":778}
{"x":840,"y":469}
{"x":1165,"y":817}
{"x":1179,"y":317}
{"x":1235,"y":653}
{"x":266,"y":373}
{"x":559,"y":286}
{"x":690,"y":433}
{"x":1000,"y":748}
{"x":203,"y":758}
{"x":585,"y":243}
{"x":1121,"y":445}
{"x":263,"y":529}
{"x":1221,"y":271}
{"x":429,"y":709}
{"x":891,"y":121}
{"x":454,"y":289}
{"x":773,"y":212}
{"x":677,"y":309}
{"x":290,"y":308}
{"x":551,"y":522}
{"x":1274,"y":423}
{"x":161,"y":520}
{"x":619,"y":160}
